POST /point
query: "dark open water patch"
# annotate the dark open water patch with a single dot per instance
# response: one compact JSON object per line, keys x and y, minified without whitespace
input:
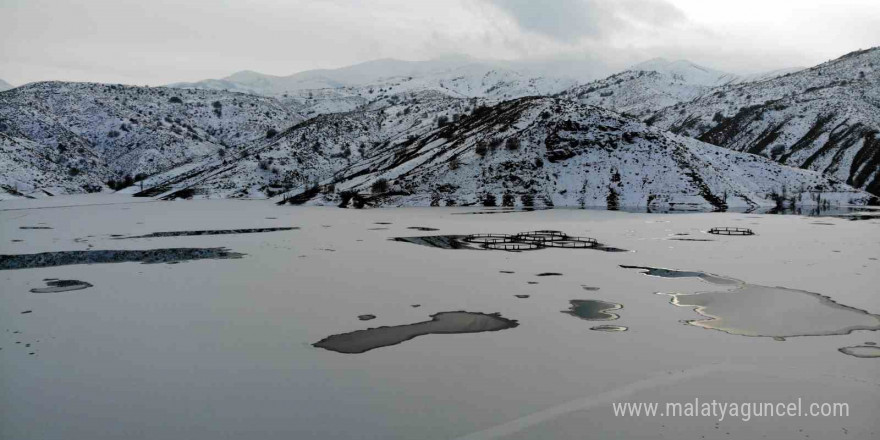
{"x":522,"y":296}
{"x":441,"y":323}
{"x":609,"y":249}
{"x":593,"y":310}
{"x":865,"y":215}
{"x":56,"y":286}
{"x":34,"y":227}
{"x":861,"y":351}
{"x":208,"y":232}
{"x":498,"y":211}
{"x":764,"y":311}
{"x":366,"y":317}
{"x":438,"y":241}
{"x":65,"y":258}
{"x":589,"y":288}
{"x":549,"y":274}
{"x":422,"y":228}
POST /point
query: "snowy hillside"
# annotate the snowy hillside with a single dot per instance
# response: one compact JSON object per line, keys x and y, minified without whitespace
{"x":647,"y":87}
{"x":338,"y":90}
{"x":29,"y":169}
{"x":825,"y":118}
{"x":5,"y":85}
{"x":137,"y":130}
{"x":554,"y":152}
{"x":695,"y":74}
{"x":311,"y":151}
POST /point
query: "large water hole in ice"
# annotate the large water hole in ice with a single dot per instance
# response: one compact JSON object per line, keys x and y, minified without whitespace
{"x":441,"y":323}
{"x":209,"y":232}
{"x":753,"y":310}
{"x":65,"y":258}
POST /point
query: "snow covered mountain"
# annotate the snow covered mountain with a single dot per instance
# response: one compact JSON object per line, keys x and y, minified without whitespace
{"x":652,"y":85}
{"x":118,"y":130}
{"x":317,"y":92}
{"x":5,"y":86}
{"x":554,"y":152}
{"x":458,"y":76}
{"x":444,"y":132}
{"x":825,"y":118}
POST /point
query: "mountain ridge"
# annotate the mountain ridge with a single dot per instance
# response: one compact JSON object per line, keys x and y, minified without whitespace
{"x":539,"y":151}
{"x":185,"y":142}
{"x":116,"y":130}
{"x":824,"y":118}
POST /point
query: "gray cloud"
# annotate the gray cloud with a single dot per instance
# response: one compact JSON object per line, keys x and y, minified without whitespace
{"x":163,"y":41}
{"x":565,"y":20}
{"x":573,"y":20}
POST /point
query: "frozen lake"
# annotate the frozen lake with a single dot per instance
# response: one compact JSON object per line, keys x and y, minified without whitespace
{"x":213,"y":337}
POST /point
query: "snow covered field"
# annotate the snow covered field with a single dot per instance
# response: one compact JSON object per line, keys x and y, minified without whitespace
{"x":223,"y":348}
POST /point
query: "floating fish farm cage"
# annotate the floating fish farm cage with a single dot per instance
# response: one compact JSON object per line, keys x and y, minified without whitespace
{"x":488,"y":238}
{"x":512,"y":246}
{"x":531,"y":240}
{"x":573,"y":243}
{"x":731,"y":231}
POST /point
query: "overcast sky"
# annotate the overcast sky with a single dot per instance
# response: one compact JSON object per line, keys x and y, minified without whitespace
{"x":161,"y":41}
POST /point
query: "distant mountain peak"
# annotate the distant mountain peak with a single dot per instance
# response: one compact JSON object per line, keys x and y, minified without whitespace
{"x":682,"y":68}
{"x":344,"y":89}
{"x":246,"y":75}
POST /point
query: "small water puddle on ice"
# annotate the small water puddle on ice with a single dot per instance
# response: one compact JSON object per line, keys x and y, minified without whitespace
{"x":57,"y":286}
{"x":861,"y":351}
{"x":593,"y":309}
{"x":609,"y":328}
